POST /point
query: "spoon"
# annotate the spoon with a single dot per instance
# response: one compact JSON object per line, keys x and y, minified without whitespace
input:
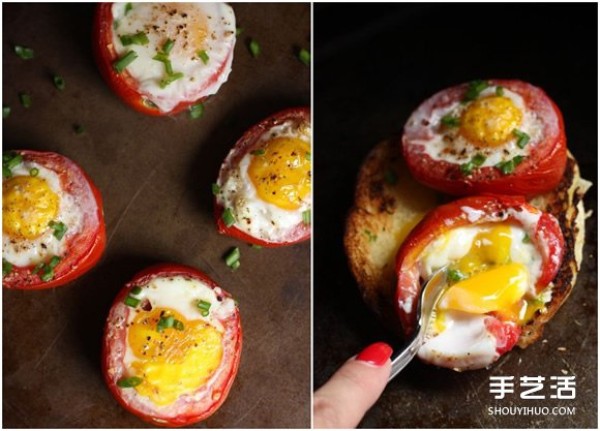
{"x":430,"y":295}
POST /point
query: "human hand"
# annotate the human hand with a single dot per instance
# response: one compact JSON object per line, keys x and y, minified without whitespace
{"x":353,"y":389}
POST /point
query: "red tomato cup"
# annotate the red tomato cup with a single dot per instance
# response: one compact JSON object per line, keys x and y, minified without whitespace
{"x":495,"y":136}
{"x":264,"y":190}
{"x":163,"y":58}
{"x":172,"y":345}
{"x":52,"y":221}
{"x":499,"y":255}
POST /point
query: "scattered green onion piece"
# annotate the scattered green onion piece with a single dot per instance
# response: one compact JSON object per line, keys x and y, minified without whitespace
{"x":232,"y":256}
{"x":522,"y":138}
{"x":390,"y":176}
{"x":165,"y":323}
{"x":178,"y":325}
{"x":124,"y":61}
{"x":238,"y":31}
{"x":526,"y":239}
{"x":134,"y":39}
{"x":7,"y":267}
{"x":136,"y":290}
{"x":304,"y":56}
{"x":168,"y":46}
{"x":54,"y":261}
{"x":5,"y":111}
{"x":25,"y":100}
{"x":162,"y":57}
{"x":204,"y":307}
{"x":196,"y":111}
{"x":259,"y":152}
{"x":59,"y":82}
{"x":228,"y":217}
{"x":308,"y":156}
{"x":132,"y":302}
{"x":38,"y":267}
{"x":165,"y":82}
{"x":204,"y":313}
{"x":508,"y":166}
{"x":34,"y":172}
{"x":474,"y":89}
{"x":475,"y":162}
{"x":129,"y":382}
{"x":24,"y":52}
{"x":254,"y":48}
{"x":372,"y":237}
{"x":499,"y":91}
{"x":9,"y":161}
{"x":306,"y":217}
{"x":454,"y":276}
{"x":449,"y":120}
{"x":216,"y":189}
{"x":48,"y":269}
{"x":235,"y":265}
{"x":59,"y":229}
{"x":128,"y":7}
{"x":203,"y":56}
{"x":256,"y":246}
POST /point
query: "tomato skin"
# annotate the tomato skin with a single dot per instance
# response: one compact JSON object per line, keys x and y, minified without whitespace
{"x":546,"y":236}
{"x":302,"y":232}
{"x":83,"y":251}
{"x":540,"y":172}
{"x":191,"y":417}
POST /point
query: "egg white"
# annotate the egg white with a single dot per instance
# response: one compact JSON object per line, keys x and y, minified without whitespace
{"x":218,"y":44}
{"x":26,"y":252}
{"x":254,"y":216}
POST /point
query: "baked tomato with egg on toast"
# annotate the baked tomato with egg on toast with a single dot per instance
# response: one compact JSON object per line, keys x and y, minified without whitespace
{"x":263,"y":194}
{"x":162,"y":58}
{"x":172,"y":345}
{"x":500,"y":256}
{"x":494,"y":136}
{"x":52,"y":220}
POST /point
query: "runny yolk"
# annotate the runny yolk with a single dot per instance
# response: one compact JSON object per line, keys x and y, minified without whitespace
{"x":281,"y":172}
{"x":490,"y":121}
{"x":172,"y":362}
{"x":28,"y":205}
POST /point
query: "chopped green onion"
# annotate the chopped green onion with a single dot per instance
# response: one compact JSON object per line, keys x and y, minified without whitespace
{"x":304,"y":56}
{"x":124,"y":61}
{"x":308,"y":156}
{"x":7,"y":267}
{"x":454,"y":276}
{"x":215,"y":189}
{"x":232,"y":256}
{"x":178,"y":325}
{"x":25,"y":100}
{"x":78,"y":129}
{"x":508,"y":166}
{"x":372,"y":237}
{"x":165,"y":323}
{"x":449,"y":120}
{"x":168,"y":46}
{"x":59,"y":229}
{"x":235,"y":265}
{"x":204,"y":307}
{"x":254,"y":48}
{"x":134,"y":39}
{"x":474,"y":89}
{"x":203,"y":56}
{"x":132,"y":302}
{"x":24,"y":52}
{"x":37,"y":268}
{"x":499,"y":91}
{"x":475,"y":162}
{"x":129,"y":382}
{"x":526,"y":239}
{"x":256,"y":246}
{"x":522,"y":138}
{"x":5,"y":111}
{"x":238,"y":31}
{"x":47,"y":269}
{"x":165,"y":60}
{"x":228,"y":217}
{"x":196,"y":111}
{"x":54,"y":261}
{"x":34,"y":172}
{"x":165,"y":82}
{"x":59,"y":82}
{"x":390,"y":176}
{"x":306,"y":217}
{"x":128,"y":7}
{"x":259,"y":152}
{"x":136,"y":290}
{"x":9,"y":161}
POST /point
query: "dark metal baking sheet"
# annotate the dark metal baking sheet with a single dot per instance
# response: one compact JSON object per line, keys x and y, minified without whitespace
{"x":372,"y":68}
{"x":155,"y":176}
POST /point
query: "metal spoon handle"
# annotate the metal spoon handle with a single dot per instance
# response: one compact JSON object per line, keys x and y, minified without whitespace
{"x":401,"y":358}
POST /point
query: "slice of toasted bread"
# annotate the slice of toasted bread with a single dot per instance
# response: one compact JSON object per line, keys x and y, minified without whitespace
{"x":389,"y":203}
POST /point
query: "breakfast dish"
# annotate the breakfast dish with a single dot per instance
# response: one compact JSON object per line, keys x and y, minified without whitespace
{"x":264,"y":190}
{"x":162,"y":58}
{"x":172,"y":345}
{"x":52,"y":220}
{"x":499,"y":136}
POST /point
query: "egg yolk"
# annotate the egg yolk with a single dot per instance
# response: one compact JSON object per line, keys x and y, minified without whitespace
{"x":185,"y":24}
{"x":490,"y":121}
{"x":281,"y":172}
{"x":28,"y":205}
{"x":174,"y":361}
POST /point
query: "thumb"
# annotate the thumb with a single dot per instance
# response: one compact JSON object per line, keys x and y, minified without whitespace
{"x":353,"y":389}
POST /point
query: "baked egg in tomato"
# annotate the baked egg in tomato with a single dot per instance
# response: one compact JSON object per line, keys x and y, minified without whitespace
{"x":263,"y":194}
{"x":161,"y":58}
{"x":172,"y":345}
{"x":500,"y":256}
{"x":52,"y":220}
{"x":494,"y":136}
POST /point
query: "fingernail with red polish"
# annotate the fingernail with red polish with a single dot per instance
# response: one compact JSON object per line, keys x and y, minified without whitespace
{"x":376,"y":354}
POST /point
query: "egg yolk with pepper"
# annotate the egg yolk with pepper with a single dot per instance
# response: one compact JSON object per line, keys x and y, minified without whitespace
{"x":490,"y":121}
{"x":172,"y":361}
{"x":280,"y":171}
{"x":28,"y":205}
